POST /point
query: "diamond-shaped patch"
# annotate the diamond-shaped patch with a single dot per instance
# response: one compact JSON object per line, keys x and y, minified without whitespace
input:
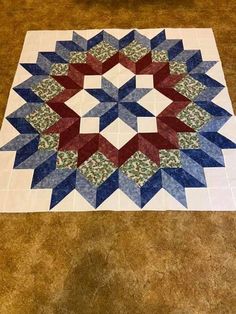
{"x":97,"y":169}
{"x":48,"y":142}
{"x":194,"y":116}
{"x":42,"y":118}
{"x":139,"y":168}
{"x":103,"y":51}
{"x":189,"y":87}
{"x":59,"y":69}
{"x":170,"y":158}
{"x":188,"y":140}
{"x":78,"y":57}
{"x":135,"y":51}
{"x":160,"y":56}
{"x":177,"y":67}
{"x":66,"y":160}
{"x":47,"y":89}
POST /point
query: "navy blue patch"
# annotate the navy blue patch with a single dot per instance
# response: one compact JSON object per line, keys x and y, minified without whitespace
{"x":107,"y":188}
{"x":158,"y":39}
{"x":150,"y":188}
{"x":63,"y":189}
{"x":44,"y":169}
{"x":26,"y":151}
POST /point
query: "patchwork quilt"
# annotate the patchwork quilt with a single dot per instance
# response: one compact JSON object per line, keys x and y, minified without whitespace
{"x":118,"y":120}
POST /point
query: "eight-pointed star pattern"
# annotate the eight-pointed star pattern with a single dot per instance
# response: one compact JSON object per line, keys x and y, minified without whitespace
{"x":118,"y":102}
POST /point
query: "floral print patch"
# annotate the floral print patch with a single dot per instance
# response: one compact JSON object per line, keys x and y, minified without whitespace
{"x":42,"y":118}
{"x":47,"y":89}
{"x":177,"y":67}
{"x":160,"y":56}
{"x":97,"y":169}
{"x":170,"y":158}
{"x":59,"y":69}
{"x":103,"y":51}
{"x":78,"y":57}
{"x":188,"y":140}
{"x":189,"y":87}
{"x":194,"y":116}
{"x":135,"y":51}
{"x":48,"y":142}
{"x":67,"y":159}
{"x":139,"y":168}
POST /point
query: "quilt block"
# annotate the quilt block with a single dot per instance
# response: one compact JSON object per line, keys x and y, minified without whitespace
{"x":118,"y":120}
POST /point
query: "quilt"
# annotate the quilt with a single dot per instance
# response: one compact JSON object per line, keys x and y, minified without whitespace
{"x":118,"y":120}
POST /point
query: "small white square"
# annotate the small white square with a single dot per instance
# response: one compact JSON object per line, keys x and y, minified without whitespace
{"x":18,"y":200}
{"x":92,"y":81}
{"x":89,"y":125}
{"x":198,"y":199}
{"x":216,"y":177}
{"x":7,"y":160}
{"x":172,"y":33}
{"x":144,"y":81}
{"x":147,"y":125}
{"x":41,"y":199}
{"x":21,"y":179}
{"x":221,"y":199}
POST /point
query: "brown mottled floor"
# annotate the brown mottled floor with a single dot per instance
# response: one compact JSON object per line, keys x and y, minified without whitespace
{"x":110,"y":263}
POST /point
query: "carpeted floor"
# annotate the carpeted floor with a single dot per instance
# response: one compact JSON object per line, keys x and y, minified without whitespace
{"x":108,"y":263}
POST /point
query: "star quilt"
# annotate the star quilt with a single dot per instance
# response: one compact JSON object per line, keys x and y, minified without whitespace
{"x":118,"y":120}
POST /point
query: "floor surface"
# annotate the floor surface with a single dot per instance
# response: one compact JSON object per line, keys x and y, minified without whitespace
{"x":110,"y":263}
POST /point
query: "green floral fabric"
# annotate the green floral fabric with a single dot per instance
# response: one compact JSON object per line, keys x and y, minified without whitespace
{"x":59,"y":69}
{"x":42,"y":118}
{"x":139,"y":168}
{"x":160,"y":56}
{"x":47,"y":89}
{"x":97,"y":169}
{"x":103,"y":51}
{"x":67,"y":160}
{"x":48,"y":142}
{"x":189,"y":87}
{"x":194,"y":116}
{"x":188,"y":140}
{"x":177,"y":67}
{"x":170,"y":158}
{"x":135,"y":51}
{"x":78,"y":57}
